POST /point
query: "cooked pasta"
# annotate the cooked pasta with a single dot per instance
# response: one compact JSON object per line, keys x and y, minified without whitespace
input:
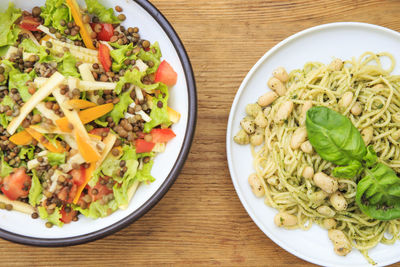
{"x":362,"y":90}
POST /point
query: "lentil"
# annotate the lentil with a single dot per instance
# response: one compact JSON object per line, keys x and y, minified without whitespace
{"x":9,"y":207}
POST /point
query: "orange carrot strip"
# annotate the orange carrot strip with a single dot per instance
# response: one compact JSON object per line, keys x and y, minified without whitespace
{"x":80,"y":104}
{"x":42,"y":140}
{"x":86,"y":116}
{"x":86,"y":150}
{"x":45,"y":38}
{"x":22,"y":138}
{"x":85,"y":28}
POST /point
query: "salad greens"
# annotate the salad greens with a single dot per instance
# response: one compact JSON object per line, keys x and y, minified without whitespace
{"x":336,"y":139}
{"x":103,"y":13}
{"x":8,"y":31}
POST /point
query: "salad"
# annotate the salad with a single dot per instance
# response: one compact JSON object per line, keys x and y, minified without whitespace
{"x":83,"y":110}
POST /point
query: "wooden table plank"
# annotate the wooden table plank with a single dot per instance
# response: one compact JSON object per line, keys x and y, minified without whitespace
{"x":201,"y":221}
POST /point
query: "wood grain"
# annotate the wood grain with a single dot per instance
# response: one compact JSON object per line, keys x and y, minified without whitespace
{"x":200,"y":221}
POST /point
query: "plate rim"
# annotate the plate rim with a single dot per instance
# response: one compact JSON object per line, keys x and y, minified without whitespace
{"x":172,"y":176}
{"x":229,"y":141}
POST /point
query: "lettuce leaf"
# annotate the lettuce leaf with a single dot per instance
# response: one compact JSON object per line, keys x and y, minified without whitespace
{"x":144,"y":174}
{"x":54,"y":218}
{"x":159,"y":115}
{"x":5,"y":169}
{"x":134,"y":77}
{"x":121,"y":107}
{"x":26,"y":152}
{"x":4,"y":119}
{"x":104,"y":14}
{"x":35,"y":192}
{"x":119,"y":56}
{"x":56,"y":159}
{"x":97,"y":210}
{"x":53,"y":12}
{"x":8,"y":31}
{"x":150,"y":56}
{"x":67,"y":66}
{"x":29,"y":46}
{"x":18,"y":80}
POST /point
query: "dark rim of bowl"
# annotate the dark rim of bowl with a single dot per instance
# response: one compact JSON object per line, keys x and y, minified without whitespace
{"x":183,"y":154}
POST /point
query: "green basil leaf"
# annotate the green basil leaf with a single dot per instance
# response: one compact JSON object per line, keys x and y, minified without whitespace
{"x":370,"y":158}
{"x":334,"y":137}
{"x":353,"y":169}
{"x":378,"y":193}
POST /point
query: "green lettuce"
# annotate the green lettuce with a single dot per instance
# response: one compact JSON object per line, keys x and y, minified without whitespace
{"x":54,"y":218}
{"x":159,"y":115}
{"x":134,"y":77}
{"x":144,"y":174}
{"x":121,"y":107}
{"x":5,"y":169}
{"x":56,"y":159}
{"x":8,"y":31}
{"x":35,"y":192}
{"x":97,"y":210}
{"x":67,"y":66}
{"x":104,"y":14}
{"x":53,"y":12}
{"x":119,"y":56}
{"x":29,"y":46}
{"x":18,"y":80}
{"x":150,"y":56}
{"x":123,"y":184}
{"x":4,"y":119}
{"x":27,"y":152}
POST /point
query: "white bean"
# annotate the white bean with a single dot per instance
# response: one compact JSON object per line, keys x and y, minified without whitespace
{"x":326,"y":211}
{"x":256,"y":185}
{"x":338,"y":201}
{"x":260,"y":120}
{"x":241,"y":138}
{"x":267,"y":98}
{"x":336,"y":64}
{"x":284,"y":112}
{"x":276,"y":85}
{"x":325,"y":182}
{"x":298,"y":137}
{"x":329,"y":223}
{"x":256,"y":139}
{"x":340,"y":242}
{"x":346,"y":99}
{"x":306,"y":147}
{"x":266,"y":111}
{"x":284,"y":219}
{"x":253,"y":109}
{"x":318,"y":197}
{"x":248,"y":125}
{"x":356,"y":109}
{"x":396,"y":135}
{"x":281,"y":74}
{"x":367,"y":135}
{"x":308,"y":172}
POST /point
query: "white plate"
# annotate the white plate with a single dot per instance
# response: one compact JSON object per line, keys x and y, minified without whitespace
{"x":153,"y":27}
{"x":321,"y":43}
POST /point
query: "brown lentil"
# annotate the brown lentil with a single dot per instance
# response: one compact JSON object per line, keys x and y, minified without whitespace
{"x":9,"y":206}
{"x":115,"y":152}
{"x":118,"y":8}
{"x":49,"y":224}
{"x":34,"y":215}
{"x":36,"y":11}
{"x":121,"y":17}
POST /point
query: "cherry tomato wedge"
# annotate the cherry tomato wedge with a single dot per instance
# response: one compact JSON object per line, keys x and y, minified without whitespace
{"x":78,"y":175}
{"x":67,"y":217}
{"x":29,"y":23}
{"x":166,"y":74}
{"x":16,"y":184}
{"x":143,"y":146}
{"x":162,"y":135}
{"x":98,"y":191}
{"x":107,"y":31}
{"x":104,"y":56}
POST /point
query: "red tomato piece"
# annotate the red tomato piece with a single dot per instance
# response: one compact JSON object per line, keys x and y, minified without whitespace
{"x":107,"y":31}
{"x":166,"y":74}
{"x":162,"y":135}
{"x":29,"y":23}
{"x":16,"y":184}
{"x":143,"y":146}
{"x":102,"y":190}
{"x":78,"y":175}
{"x":66,"y":217}
{"x":100,"y":131}
{"x":104,"y":56}
{"x":67,"y":195}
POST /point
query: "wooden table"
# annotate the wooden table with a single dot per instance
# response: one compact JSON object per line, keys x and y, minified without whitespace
{"x":201,"y":221}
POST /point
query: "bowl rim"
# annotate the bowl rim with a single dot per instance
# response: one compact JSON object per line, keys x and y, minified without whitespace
{"x":172,"y":176}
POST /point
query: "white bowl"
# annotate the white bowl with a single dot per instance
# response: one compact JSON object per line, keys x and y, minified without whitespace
{"x":321,"y":43}
{"x":153,"y":26}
